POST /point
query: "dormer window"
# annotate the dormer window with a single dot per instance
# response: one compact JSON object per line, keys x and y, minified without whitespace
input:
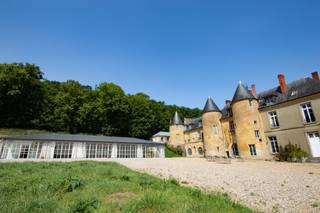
{"x":268,"y":101}
{"x":294,"y":93}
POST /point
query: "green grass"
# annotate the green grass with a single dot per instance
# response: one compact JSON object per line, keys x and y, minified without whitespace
{"x":170,"y":154}
{"x":10,"y":131}
{"x":99,"y":187}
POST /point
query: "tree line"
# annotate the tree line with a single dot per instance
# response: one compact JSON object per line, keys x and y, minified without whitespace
{"x":29,"y":101}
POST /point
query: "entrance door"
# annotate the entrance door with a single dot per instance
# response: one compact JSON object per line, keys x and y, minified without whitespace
{"x":314,"y":141}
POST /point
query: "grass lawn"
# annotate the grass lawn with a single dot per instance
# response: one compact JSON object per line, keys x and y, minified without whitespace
{"x":90,"y":186}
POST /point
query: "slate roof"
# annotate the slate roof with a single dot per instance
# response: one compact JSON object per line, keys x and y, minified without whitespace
{"x":210,"y":106}
{"x":162,"y":134}
{"x":295,"y":89}
{"x":176,"y":120}
{"x":242,"y":93}
{"x":194,"y":124}
{"x":226,"y":110}
{"x":79,"y":138}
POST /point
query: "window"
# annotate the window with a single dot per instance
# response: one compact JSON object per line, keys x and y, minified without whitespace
{"x":200,"y":151}
{"x":215,"y":129}
{"x":268,"y":101}
{"x":252,"y":148}
{"x":189,"y":151}
{"x":63,"y":150}
{"x":3,"y":150}
{"x":127,"y":151}
{"x":308,"y":113}
{"x":20,"y":151}
{"x":98,"y":150}
{"x":231,"y":126}
{"x":274,"y":144}
{"x":235,"y":149}
{"x":150,"y":151}
{"x":274,"y":122}
{"x":257,"y":134}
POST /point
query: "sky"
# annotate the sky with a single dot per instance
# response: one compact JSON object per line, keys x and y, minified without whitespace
{"x":175,"y":51}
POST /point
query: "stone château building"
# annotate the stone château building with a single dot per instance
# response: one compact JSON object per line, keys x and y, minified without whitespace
{"x":254,"y":125}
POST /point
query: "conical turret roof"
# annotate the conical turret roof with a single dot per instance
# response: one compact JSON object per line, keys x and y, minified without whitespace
{"x":210,"y":106}
{"x":242,"y":93}
{"x":176,"y":120}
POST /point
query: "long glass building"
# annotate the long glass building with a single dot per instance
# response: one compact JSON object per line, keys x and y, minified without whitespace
{"x":64,"y":146}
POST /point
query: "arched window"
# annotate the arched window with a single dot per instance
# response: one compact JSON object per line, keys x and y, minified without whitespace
{"x":189,"y":151}
{"x":200,"y":151}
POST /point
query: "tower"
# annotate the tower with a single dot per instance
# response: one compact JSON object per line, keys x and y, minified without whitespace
{"x":250,"y":138}
{"x":212,"y":130}
{"x":176,"y":132}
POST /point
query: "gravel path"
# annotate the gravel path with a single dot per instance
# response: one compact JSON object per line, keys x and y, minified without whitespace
{"x":266,"y":186}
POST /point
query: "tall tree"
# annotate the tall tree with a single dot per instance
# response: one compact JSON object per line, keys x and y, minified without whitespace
{"x":21,"y":94}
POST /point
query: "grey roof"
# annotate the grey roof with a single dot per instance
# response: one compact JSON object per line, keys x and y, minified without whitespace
{"x":226,"y":110}
{"x":79,"y":138}
{"x":162,"y":134}
{"x":176,"y":120}
{"x":295,"y":89}
{"x":195,"y":123}
{"x":210,"y":106}
{"x":242,"y":93}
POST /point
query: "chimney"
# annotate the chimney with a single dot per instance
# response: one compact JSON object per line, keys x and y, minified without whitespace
{"x":315,"y":75}
{"x":253,"y":89}
{"x":282,"y":83}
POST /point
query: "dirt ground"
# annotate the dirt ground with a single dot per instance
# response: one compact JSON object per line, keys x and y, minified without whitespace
{"x":262,"y":185}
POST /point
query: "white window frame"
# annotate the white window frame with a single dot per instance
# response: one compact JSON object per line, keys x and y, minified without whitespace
{"x":252,"y":149}
{"x":127,"y":151}
{"x":63,"y":150}
{"x":273,"y":140}
{"x":308,"y":108}
{"x":257,"y":134}
{"x":273,"y":118}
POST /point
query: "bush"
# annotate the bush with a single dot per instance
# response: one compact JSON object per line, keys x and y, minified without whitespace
{"x":172,"y":151}
{"x":291,"y":153}
{"x":87,"y":206}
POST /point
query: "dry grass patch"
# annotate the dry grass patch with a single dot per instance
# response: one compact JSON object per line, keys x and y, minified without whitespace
{"x":120,"y":196}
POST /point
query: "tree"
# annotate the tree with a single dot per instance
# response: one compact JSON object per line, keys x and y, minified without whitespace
{"x":21,"y":95}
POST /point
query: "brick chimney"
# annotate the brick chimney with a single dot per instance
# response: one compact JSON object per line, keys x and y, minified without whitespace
{"x":253,"y":89}
{"x":315,"y":75}
{"x":282,"y":83}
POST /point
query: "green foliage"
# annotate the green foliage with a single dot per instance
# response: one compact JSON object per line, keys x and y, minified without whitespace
{"x":21,"y":95}
{"x":36,"y":187}
{"x":171,"y":151}
{"x":291,"y":153}
{"x":72,"y":184}
{"x":87,"y":206}
{"x":29,"y":101}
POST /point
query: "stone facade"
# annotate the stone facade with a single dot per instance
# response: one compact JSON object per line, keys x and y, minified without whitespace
{"x":245,"y":126}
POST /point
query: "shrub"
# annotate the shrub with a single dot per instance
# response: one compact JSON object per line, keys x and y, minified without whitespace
{"x":86,"y":206}
{"x":72,"y":184}
{"x":291,"y":153}
{"x":176,"y":151}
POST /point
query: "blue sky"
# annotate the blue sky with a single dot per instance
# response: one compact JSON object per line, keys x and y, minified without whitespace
{"x":179,"y":52}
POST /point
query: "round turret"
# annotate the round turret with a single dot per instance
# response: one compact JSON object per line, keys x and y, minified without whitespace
{"x":176,"y":131}
{"x":249,"y":132}
{"x":212,"y":130}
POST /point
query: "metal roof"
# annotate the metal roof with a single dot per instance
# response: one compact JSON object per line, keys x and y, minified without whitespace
{"x":242,"y":93}
{"x":79,"y":138}
{"x":295,"y":89}
{"x":210,"y":106}
{"x":162,"y":134}
{"x":176,"y":120}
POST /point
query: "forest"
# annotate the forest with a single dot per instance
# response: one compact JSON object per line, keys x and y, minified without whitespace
{"x":29,"y":101}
